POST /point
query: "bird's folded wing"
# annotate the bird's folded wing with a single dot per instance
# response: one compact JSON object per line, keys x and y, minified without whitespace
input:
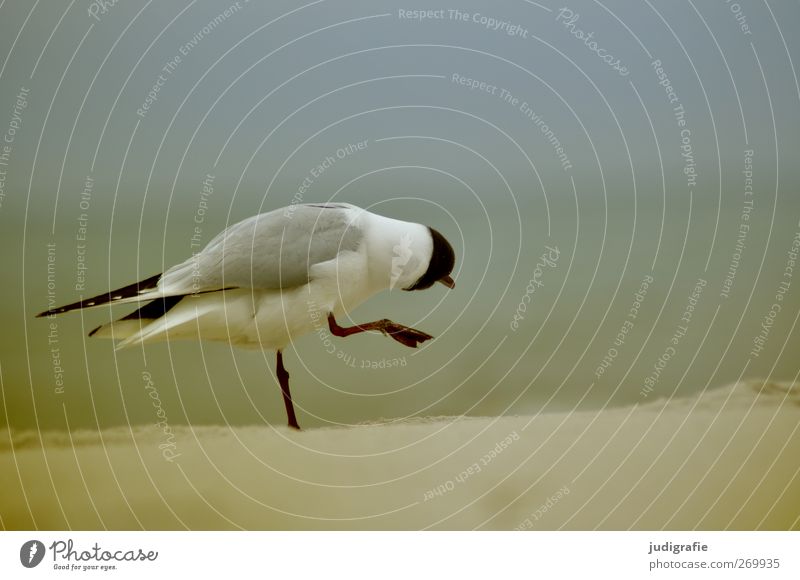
{"x":274,"y":250}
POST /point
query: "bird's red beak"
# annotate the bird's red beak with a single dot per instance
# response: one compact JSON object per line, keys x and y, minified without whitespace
{"x":448,"y":281}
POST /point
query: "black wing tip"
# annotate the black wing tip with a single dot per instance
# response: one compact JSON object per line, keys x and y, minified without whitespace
{"x":109,"y":297}
{"x":93,"y":332}
{"x":67,"y":308}
{"x":53,"y":312}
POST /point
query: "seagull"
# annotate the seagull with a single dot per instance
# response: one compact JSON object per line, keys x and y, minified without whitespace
{"x":275,"y":276}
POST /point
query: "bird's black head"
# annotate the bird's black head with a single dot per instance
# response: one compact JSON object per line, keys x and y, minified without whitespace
{"x":443,"y":258}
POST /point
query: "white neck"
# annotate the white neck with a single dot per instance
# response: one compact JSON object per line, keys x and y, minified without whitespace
{"x":398,"y":252}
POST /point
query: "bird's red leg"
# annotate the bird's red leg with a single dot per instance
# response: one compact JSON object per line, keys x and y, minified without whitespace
{"x":283,"y":379}
{"x":402,"y":334}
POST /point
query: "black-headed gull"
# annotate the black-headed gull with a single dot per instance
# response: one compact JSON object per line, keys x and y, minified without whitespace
{"x":267,"y":280}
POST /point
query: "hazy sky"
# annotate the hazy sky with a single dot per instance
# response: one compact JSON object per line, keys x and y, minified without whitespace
{"x":625,"y":141}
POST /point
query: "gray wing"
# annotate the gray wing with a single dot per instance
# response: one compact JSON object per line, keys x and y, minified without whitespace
{"x":272,"y":250}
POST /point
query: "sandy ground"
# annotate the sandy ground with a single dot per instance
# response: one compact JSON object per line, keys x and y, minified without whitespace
{"x":727,"y":459}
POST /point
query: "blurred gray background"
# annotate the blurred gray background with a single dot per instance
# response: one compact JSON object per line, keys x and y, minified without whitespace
{"x":261,"y":94}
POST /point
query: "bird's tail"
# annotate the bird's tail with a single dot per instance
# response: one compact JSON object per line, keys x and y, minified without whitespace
{"x":177,"y":323}
{"x":136,"y":321}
